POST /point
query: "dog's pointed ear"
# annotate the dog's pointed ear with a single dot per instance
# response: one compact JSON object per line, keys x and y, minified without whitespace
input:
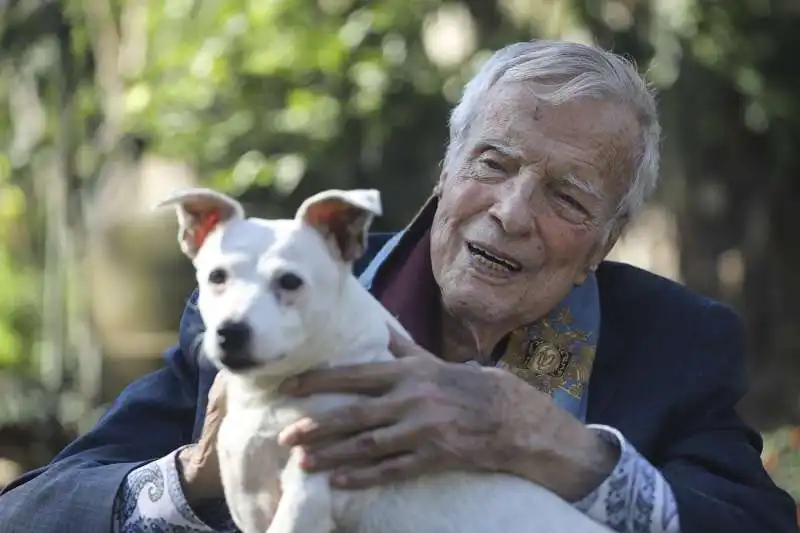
{"x":199,"y":212}
{"x":343,"y":218}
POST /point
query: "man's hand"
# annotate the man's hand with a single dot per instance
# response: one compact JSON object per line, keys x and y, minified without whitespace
{"x":422,"y":415}
{"x":198,"y":464}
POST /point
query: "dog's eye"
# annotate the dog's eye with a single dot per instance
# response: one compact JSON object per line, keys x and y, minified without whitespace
{"x":217,"y":276}
{"x":289,"y":281}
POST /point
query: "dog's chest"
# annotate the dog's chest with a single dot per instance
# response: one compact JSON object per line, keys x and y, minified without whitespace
{"x":243,"y":426}
{"x":250,"y":462}
{"x":251,"y":430}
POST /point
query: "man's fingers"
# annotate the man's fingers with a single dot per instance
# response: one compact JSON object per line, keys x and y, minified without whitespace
{"x":216,"y":394}
{"x":365,"y":447}
{"x":398,"y":468}
{"x":371,"y":379}
{"x":338,"y":424}
{"x":205,"y":449}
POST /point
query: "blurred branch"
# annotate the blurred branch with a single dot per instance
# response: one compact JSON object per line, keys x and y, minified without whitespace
{"x":54,"y":188}
{"x":69,"y":357}
{"x":81,"y":340}
{"x":105,"y":39}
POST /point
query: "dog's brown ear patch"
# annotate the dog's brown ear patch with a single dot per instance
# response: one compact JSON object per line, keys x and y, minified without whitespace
{"x":199,"y":212}
{"x":343,"y":217}
{"x":346,"y":224}
{"x":205,"y":223}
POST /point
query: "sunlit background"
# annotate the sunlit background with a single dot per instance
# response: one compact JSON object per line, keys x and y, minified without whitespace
{"x":109,"y":105}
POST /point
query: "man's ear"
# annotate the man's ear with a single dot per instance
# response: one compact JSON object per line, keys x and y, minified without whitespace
{"x":199,"y":212}
{"x":614,"y":233}
{"x":343,"y":218}
{"x":602,"y":250}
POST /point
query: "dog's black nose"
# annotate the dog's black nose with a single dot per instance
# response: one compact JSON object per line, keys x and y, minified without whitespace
{"x":233,"y":336}
{"x":234,"y":343}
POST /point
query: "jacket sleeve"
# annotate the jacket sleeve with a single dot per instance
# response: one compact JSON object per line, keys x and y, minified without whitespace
{"x":152,"y":417}
{"x":713,"y":463}
{"x":151,"y":499}
{"x":635,"y":498}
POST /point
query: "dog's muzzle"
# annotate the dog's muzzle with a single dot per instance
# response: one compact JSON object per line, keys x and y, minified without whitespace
{"x":234,"y":339}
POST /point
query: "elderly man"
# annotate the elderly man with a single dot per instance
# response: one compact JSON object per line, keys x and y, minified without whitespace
{"x":610,"y":386}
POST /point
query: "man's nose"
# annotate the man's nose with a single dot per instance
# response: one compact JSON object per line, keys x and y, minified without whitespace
{"x":233,"y":338}
{"x":513,"y":209}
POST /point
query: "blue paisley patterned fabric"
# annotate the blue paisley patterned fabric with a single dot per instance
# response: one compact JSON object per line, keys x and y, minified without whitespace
{"x":151,"y":500}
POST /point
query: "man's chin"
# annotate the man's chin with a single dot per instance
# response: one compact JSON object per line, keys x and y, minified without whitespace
{"x":472,"y":300}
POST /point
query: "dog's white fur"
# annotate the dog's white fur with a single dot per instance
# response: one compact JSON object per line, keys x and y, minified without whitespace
{"x":331,"y":320}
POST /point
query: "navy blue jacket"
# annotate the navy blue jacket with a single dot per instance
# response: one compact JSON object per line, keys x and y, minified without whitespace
{"x":668,"y":372}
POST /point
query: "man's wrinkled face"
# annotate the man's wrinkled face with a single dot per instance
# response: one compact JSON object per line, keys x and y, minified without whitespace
{"x":525,"y":210}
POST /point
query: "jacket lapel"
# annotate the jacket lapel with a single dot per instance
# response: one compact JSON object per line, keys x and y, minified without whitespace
{"x":609,"y":370}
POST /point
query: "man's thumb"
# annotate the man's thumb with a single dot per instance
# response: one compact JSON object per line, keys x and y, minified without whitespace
{"x":400,"y":343}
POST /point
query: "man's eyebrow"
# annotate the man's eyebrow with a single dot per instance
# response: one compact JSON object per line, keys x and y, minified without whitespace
{"x":499,"y":146}
{"x":589,"y":187}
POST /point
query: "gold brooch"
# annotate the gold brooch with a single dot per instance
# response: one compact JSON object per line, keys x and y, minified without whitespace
{"x":546,"y":359}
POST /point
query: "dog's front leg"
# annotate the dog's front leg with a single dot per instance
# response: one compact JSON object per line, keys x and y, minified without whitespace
{"x":305,"y":504}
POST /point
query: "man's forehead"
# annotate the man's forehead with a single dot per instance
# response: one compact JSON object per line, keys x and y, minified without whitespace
{"x":513,"y":111}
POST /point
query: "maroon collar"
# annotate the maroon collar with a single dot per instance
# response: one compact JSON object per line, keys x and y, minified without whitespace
{"x":405,"y":284}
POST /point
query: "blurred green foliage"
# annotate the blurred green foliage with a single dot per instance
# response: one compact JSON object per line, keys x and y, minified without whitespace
{"x":19,"y":289}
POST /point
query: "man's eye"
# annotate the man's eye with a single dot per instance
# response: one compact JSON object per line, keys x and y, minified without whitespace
{"x":571,"y":202}
{"x":492,"y":164}
{"x":218,"y":276}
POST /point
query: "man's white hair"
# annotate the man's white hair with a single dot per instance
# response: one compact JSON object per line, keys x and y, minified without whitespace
{"x":573,"y":70}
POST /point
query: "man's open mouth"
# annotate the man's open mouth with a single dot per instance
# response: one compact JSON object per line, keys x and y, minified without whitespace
{"x":492,"y":260}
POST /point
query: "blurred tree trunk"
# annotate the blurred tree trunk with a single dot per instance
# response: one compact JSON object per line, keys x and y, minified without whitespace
{"x":719,"y":173}
{"x":772,"y":288}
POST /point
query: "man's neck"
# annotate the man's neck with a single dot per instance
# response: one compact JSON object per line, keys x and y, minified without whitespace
{"x":465,"y":340}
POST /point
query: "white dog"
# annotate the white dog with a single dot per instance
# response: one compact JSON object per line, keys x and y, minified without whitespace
{"x":278,"y":298}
